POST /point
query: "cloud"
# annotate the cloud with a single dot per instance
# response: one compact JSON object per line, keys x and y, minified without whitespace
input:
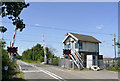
{"x":21,"y":50}
{"x":37,"y":25}
{"x":99,"y":27}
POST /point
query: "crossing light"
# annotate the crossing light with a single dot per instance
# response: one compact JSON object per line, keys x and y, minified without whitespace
{"x":12,"y":50}
{"x":66,"y":51}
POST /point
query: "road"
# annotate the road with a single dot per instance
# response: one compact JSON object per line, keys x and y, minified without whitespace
{"x":35,"y":72}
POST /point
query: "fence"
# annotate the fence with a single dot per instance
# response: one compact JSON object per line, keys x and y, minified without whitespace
{"x":105,"y":63}
{"x":110,"y":62}
{"x":65,"y":63}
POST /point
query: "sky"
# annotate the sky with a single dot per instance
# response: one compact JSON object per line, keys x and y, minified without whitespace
{"x":55,"y":19}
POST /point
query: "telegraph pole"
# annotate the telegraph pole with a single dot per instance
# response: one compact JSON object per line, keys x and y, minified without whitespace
{"x":115,"y":44}
{"x":45,"y":56}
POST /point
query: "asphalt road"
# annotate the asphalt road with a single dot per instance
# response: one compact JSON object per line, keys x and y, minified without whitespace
{"x":34,"y":72}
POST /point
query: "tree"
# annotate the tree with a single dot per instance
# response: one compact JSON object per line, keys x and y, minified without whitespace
{"x":12,"y":10}
{"x":36,"y":53}
{"x":2,"y":43}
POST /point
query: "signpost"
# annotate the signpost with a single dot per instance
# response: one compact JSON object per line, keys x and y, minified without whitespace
{"x":66,"y":53}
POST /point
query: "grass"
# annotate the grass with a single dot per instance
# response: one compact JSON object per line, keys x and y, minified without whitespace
{"x":116,"y":69}
{"x":34,"y":62}
{"x":18,"y":74}
{"x":54,"y":62}
{"x":14,"y":75}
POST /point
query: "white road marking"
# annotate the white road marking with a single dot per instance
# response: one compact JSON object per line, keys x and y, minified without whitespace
{"x":31,"y":71}
{"x":44,"y":71}
{"x":20,"y":68}
{"x":49,"y":74}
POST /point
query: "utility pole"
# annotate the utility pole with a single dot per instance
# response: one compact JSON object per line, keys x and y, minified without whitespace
{"x":115,"y":44}
{"x":45,"y":56}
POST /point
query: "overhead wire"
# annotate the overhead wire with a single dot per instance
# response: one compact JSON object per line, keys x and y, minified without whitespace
{"x":60,"y":29}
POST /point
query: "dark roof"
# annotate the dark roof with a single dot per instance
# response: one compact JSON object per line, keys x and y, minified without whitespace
{"x":85,"y":38}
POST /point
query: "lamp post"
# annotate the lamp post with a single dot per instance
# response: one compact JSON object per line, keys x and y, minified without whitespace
{"x":2,"y":30}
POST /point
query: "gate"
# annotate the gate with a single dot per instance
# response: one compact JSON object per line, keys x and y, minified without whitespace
{"x":65,"y":63}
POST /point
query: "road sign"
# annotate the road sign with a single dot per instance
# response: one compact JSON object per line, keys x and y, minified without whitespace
{"x":5,"y":67}
{"x":66,"y":57}
{"x":12,"y":50}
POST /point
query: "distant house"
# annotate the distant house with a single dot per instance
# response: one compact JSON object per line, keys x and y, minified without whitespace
{"x":84,"y":49}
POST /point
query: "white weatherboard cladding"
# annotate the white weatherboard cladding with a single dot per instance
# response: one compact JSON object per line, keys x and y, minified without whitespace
{"x":86,"y":46}
{"x":69,"y":41}
{"x":89,"y":47}
{"x":89,"y":61}
{"x":77,"y":49}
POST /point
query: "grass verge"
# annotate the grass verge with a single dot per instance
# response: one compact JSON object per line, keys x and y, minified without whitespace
{"x":34,"y":62}
{"x":13,"y":75}
{"x":116,"y":69}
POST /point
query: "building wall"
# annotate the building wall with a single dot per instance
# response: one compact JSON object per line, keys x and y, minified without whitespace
{"x":86,"y":46}
{"x":69,"y":42}
{"x":90,"y":47}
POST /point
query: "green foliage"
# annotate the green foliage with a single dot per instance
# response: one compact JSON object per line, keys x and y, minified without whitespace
{"x":118,"y":44}
{"x":12,"y":10}
{"x":18,"y":57}
{"x":3,"y":29}
{"x":6,"y":62}
{"x":55,"y":60}
{"x":36,"y":53}
{"x":116,"y":68}
{"x":2,"y":43}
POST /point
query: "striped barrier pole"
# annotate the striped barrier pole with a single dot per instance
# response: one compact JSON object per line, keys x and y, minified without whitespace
{"x":45,"y":56}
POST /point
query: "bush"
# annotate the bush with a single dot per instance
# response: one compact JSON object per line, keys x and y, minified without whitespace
{"x":55,"y":61}
{"x":7,"y":62}
{"x":41,"y":59}
{"x":116,"y":68}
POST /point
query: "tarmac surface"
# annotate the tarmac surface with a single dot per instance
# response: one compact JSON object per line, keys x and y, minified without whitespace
{"x":35,"y":72}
